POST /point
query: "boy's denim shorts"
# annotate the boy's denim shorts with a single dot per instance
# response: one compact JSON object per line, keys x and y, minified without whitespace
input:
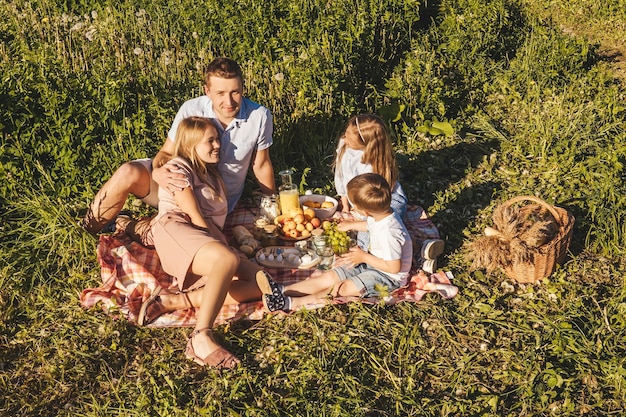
{"x":365,"y":278}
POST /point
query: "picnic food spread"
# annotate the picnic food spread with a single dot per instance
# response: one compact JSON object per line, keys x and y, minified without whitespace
{"x":286,"y":257}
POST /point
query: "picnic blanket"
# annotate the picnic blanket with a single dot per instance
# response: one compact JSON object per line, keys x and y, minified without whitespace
{"x":130,"y":272}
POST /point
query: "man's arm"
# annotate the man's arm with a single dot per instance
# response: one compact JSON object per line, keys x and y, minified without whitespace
{"x":164,"y":154}
{"x":264,"y":171}
{"x":167,"y":178}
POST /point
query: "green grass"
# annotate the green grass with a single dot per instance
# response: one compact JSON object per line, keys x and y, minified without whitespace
{"x":536,"y":110}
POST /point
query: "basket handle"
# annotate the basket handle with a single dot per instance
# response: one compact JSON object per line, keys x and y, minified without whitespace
{"x":539,"y":201}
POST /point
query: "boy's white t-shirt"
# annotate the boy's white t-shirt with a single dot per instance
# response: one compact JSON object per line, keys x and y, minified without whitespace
{"x":249,"y":132}
{"x":390,"y":240}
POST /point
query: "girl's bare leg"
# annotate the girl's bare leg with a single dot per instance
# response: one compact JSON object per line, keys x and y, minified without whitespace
{"x":243,"y":288}
{"x":216,"y":261}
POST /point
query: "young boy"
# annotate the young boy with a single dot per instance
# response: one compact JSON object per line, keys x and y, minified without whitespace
{"x":386,"y":263}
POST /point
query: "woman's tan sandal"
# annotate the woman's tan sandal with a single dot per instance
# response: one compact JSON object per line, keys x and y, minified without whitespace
{"x":220,"y":358}
{"x":151,"y":308}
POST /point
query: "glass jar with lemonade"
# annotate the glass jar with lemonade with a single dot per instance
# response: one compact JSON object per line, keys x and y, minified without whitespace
{"x":288,"y":192}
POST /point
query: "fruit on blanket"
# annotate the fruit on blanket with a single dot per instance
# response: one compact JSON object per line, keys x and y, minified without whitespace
{"x":294,"y":212}
{"x":338,"y":239}
{"x":299,"y":226}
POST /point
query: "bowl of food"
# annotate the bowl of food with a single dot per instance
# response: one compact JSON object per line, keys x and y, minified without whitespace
{"x":323,"y":205}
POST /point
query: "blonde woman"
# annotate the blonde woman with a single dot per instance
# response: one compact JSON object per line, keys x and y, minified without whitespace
{"x":188,"y":238}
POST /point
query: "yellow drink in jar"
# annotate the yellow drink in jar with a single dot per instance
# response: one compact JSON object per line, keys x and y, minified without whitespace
{"x":289,"y":200}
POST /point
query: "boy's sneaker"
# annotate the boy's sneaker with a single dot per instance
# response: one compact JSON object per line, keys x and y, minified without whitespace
{"x":275,"y":302}
{"x":429,"y":265}
{"x":267,"y":285}
{"x":430,"y":250}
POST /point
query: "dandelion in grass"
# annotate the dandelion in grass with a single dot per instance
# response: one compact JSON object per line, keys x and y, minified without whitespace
{"x":90,"y":33}
{"x":166,"y":57}
{"x":141,"y":13}
{"x":77,"y":26}
{"x":279,"y":76}
{"x":94,"y":14}
{"x":194,"y":35}
{"x":507,"y":288}
{"x":138,"y":51}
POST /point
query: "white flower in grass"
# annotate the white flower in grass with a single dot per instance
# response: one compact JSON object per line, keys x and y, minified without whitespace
{"x":141,"y":13}
{"x":78,"y":26}
{"x":94,"y":14}
{"x":279,"y":76}
{"x":138,"y":51}
{"x":194,"y":35}
{"x":507,"y":288}
{"x":90,"y":33}
{"x":166,"y":56}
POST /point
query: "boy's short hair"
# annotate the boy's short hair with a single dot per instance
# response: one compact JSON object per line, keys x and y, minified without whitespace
{"x":223,"y":67}
{"x":370,"y":192}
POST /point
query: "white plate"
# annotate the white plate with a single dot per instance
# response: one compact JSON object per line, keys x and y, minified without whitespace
{"x":285,"y":257}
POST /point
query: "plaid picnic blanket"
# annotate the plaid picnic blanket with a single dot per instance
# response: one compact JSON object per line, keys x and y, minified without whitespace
{"x":130,"y":272}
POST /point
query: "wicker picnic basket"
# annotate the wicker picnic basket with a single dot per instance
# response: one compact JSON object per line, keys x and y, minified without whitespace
{"x":547,"y":256}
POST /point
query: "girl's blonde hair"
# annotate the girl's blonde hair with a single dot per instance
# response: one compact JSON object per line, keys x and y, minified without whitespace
{"x":190,"y":132}
{"x":378,"y":149}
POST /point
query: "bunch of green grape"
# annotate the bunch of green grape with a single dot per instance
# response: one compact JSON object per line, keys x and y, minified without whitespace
{"x":337,"y":239}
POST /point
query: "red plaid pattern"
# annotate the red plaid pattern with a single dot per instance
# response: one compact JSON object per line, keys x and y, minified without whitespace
{"x":130,"y":272}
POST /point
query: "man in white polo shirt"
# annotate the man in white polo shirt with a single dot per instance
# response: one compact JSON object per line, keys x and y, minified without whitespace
{"x":246,"y":134}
